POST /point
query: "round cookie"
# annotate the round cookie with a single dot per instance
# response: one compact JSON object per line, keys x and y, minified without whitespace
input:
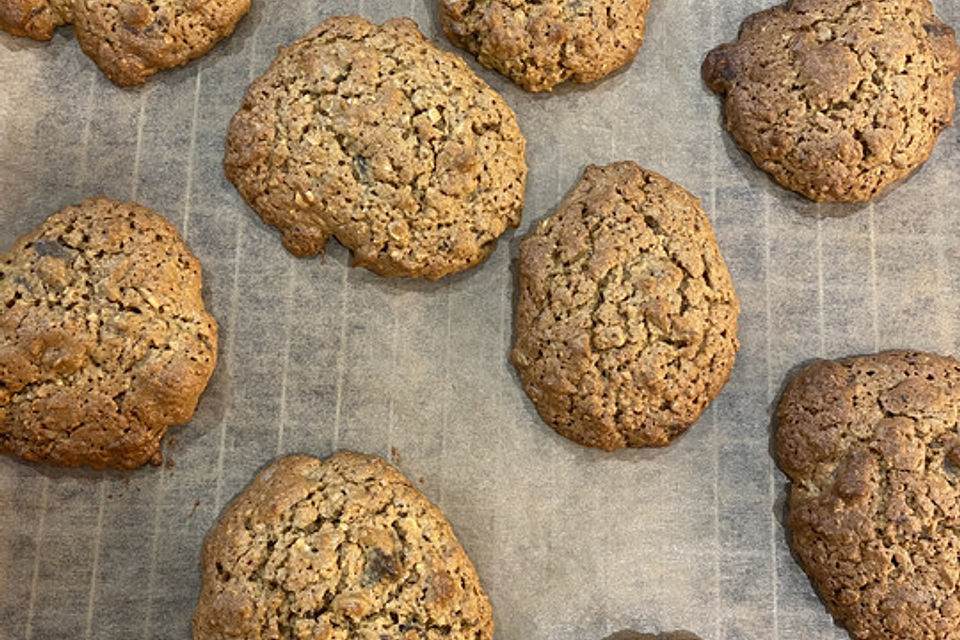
{"x":129,"y":40}
{"x":539,"y":44}
{"x":836,"y":99}
{"x":335,"y":549}
{"x":104,"y":339}
{"x":872,"y":451}
{"x":626,"y":322}
{"x":373,"y":135}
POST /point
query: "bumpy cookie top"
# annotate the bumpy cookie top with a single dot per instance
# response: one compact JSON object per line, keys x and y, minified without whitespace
{"x":129,"y":40}
{"x":626,"y":321}
{"x":836,"y":99}
{"x":872,"y":449}
{"x":104,"y":339}
{"x":337,"y":549}
{"x":539,"y":44}
{"x":373,"y":135}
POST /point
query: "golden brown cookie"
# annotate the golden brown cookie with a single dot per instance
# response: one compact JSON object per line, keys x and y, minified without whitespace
{"x":541,"y":43}
{"x":104,"y":339}
{"x":872,"y":451}
{"x":339,"y":549}
{"x":129,"y":40}
{"x":626,"y":323}
{"x":836,"y":99}
{"x":373,"y":135}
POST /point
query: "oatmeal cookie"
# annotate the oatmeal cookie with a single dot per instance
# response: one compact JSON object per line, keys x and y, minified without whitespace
{"x":872,"y":450}
{"x":129,"y":40}
{"x":341,"y":548}
{"x":539,"y":44}
{"x":626,"y":323}
{"x":373,"y":135}
{"x":837,"y":99}
{"x":104,"y":339}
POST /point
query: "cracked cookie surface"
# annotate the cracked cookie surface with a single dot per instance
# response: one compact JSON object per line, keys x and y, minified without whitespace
{"x":104,"y":339}
{"x":129,"y":40}
{"x":871,"y":447}
{"x":338,"y":549}
{"x":539,"y":44}
{"x":838,"y":99}
{"x":626,"y":321}
{"x":373,"y":135}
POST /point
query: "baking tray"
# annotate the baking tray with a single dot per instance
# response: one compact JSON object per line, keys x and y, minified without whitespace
{"x":570,"y":543}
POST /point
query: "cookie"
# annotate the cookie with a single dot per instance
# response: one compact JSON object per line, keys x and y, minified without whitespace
{"x":626,"y":321}
{"x":540,"y":44}
{"x":872,"y":451}
{"x":374,"y":136}
{"x":837,"y":99}
{"x":339,"y":548}
{"x":104,"y":339}
{"x":129,"y":40}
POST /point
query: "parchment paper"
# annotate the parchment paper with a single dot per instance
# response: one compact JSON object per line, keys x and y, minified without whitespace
{"x":570,"y":543}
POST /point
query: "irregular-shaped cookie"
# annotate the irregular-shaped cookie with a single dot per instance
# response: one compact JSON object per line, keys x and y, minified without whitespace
{"x":373,"y":135}
{"x":336,"y":549}
{"x":626,"y":323}
{"x":104,"y":339}
{"x":836,"y":99}
{"x":872,"y":451}
{"x":129,"y":40}
{"x":541,"y":43}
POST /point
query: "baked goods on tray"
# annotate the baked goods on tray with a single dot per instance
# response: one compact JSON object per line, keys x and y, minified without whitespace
{"x":837,"y":99}
{"x":339,"y":548}
{"x":372,"y":135}
{"x":129,"y":40}
{"x":871,"y":447}
{"x":541,"y":43}
{"x":104,"y":338}
{"x":626,"y":322}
